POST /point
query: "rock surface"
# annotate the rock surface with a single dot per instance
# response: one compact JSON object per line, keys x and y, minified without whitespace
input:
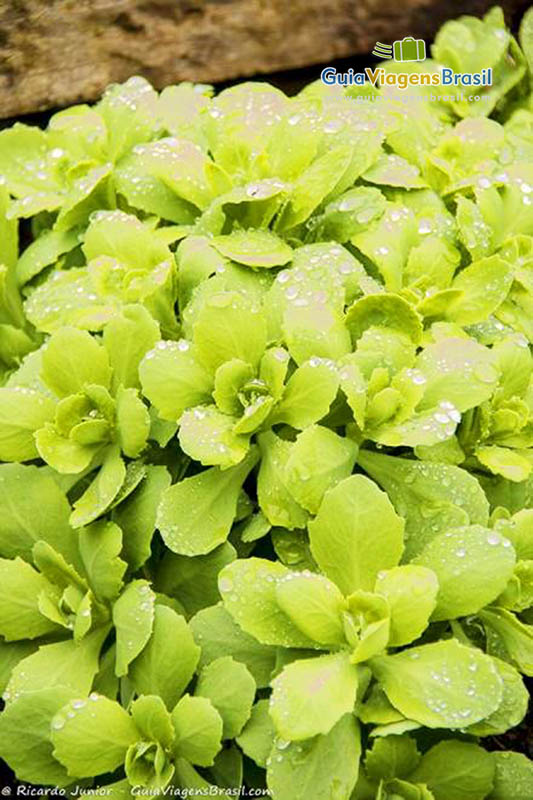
{"x":57,"y":52}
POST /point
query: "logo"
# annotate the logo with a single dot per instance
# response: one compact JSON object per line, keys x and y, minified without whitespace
{"x":406,"y":49}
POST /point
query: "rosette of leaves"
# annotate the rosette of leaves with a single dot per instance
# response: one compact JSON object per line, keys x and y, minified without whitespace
{"x":358,"y":613}
{"x":75,"y":404}
{"x":126,"y":263}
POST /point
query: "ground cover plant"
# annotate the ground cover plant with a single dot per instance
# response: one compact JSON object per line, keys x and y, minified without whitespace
{"x":266,"y":432}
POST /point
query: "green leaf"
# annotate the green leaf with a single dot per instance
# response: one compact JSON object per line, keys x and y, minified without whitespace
{"x":314,"y":604}
{"x":484,"y":286}
{"x":311,"y":695}
{"x":257,"y":736}
{"x":383,"y":311}
{"x":411,"y":592}
{"x":198,"y":727}
{"x":259,"y":248}
{"x":127,"y":338}
{"x":509,"y":638}
{"x":194,"y":581}
{"x":318,"y":767}
{"x":248,"y":589}
{"x":318,"y":460}
{"x":133,"y":616}
{"x":212,"y":496}
{"x":229,"y":326}
{"x":102,"y":491}
{"x":314,"y":328}
{"x":231,"y":689}
{"x":217,"y":633}
{"x":440,"y":685}
{"x":513,"y":707}
{"x":308,"y":395}
{"x":91,"y":736}
{"x":208,"y":436}
{"x":314,"y":185}
{"x":67,"y":664}
{"x":43,"y":252}
{"x":168,"y":661}
{"x":393,"y":170}
{"x":456,"y":771}
{"x":152,"y":719}
{"x":133,"y":422}
{"x":100,"y":545}
{"x":25,"y":742}
{"x":392,"y":757}
{"x":472,"y":564}
{"x":275,"y":500}
{"x":513,"y":779}
{"x":173,"y":380}
{"x":355,"y":534}
{"x":20,"y":588}
{"x":34,"y":508}
{"x":457,"y":370}
{"x":22,"y":412}
{"x":71,"y":360}
{"x":136,"y":515}
{"x":432,"y":497}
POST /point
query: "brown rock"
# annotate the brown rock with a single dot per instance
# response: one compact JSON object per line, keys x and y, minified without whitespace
{"x":58,"y":52}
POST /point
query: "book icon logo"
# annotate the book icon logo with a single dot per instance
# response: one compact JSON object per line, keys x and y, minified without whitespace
{"x":406,"y":49}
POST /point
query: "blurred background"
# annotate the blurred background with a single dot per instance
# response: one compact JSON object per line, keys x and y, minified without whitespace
{"x":54,"y":53}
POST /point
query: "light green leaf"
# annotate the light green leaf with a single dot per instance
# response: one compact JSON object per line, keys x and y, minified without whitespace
{"x":207,"y":435}
{"x":20,"y":587}
{"x":393,"y":170}
{"x":411,"y":593}
{"x":136,"y":515}
{"x":472,"y":564}
{"x":382,"y":310}
{"x":128,"y":336}
{"x":196,"y":514}
{"x":432,"y":497}
{"x":133,"y":616}
{"x":102,"y":491}
{"x":22,"y":412}
{"x":93,"y":737}
{"x":71,"y":360}
{"x":168,"y":661}
{"x":248,"y":589}
{"x":173,"y":380}
{"x":440,"y":685}
{"x":513,"y":707}
{"x":217,"y":633}
{"x":198,"y":727}
{"x":314,"y":604}
{"x":355,"y":534}
{"x":513,"y":779}
{"x":259,"y":248}
{"x":194,"y":580}
{"x":25,"y":736}
{"x":485,"y":285}
{"x":275,"y":500}
{"x":43,"y":252}
{"x":457,"y":370}
{"x":133,"y":422}
{"x":67,"y":664}
{"x":100,"y":545}
{"x":456,"y":771}
{"x":257,"y":736}
{"x":319,"y":767}
{"x":229,"y":326}
{"x":318,"y":460}
{"x":392,"y":757}
{"x":231,"y":689}
{"x":314,"y":328}
{"x":311,"y":695}
{"x":34,"y":508}
{"x":308,"y":395}
{"x":509,"y":638}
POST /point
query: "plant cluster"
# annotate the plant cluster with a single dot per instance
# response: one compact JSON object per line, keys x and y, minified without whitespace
{"x":266,"y":425}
